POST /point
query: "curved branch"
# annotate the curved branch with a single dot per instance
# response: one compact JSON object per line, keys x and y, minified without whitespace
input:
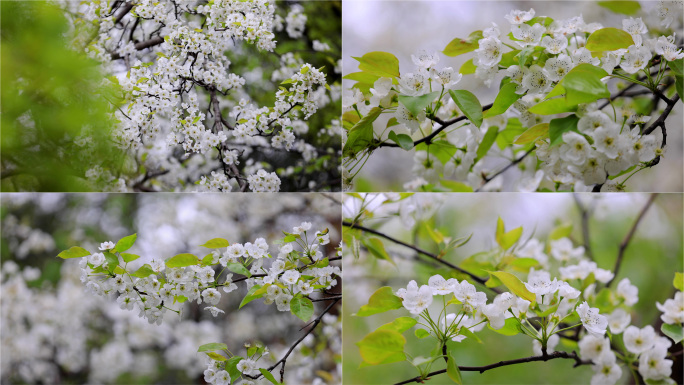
{"x":444,"y":124}
{"x":628,"y":237}
{"x":420,"y":251}
{"x":142,"y":45}
{"x":488,"y":179}
{"x":482,"y":369}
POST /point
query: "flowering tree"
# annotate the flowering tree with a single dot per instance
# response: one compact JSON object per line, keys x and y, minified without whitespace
{"x":580,"y":106}
{"x":102,"y":340}
{"x":209,"y":96}
{"x":547,"y":290}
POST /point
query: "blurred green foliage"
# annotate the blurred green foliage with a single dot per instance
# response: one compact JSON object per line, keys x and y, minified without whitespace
{"x":51,"y":95}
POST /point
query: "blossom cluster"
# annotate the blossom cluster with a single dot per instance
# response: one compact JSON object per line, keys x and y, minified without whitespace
{"x":185,"y":114}
{"x":610,"y":139}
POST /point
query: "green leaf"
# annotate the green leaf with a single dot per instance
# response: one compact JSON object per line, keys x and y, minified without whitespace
{"x":454,"y":186}
{"x":583,"y":84}
{"x":678,"y":281}
{"x":460,"y":46}
{"x":182,"y":260}
{"x":74,"y":252}
{"x":524,"y":263}
{"x":467,"y":68}
{"x":125,"y":243}
{"x":557,"y":127}
{"x":381,"y":301}
{"x":231,"y":368}
{"x":534,"y":132}
{"x":216,"y":243}
{"x":216,"y":356}
{"x":468,"y":103}
{"x":440,"y":149}
{"x":422,"y":333}
{"x":238,"y":268}
{"x":676,"y":66}
{"x":453,"y":371}
{"x":212,"y":346}
{"x":112,"y":260}
{"x":377,"y":248}
{"x":302,"y":308}
{"x":608,"y":39}
{"x":511,"y":328}
{"x":561,"y":232}
{"x":269,"y":376}
{"x":144,"y":271}
{"x":513,"y":129}
{"x":514,"y":284}
{"x":416,"y":104}
{"x":664,"y":381}
{"x":400,"y":324}
{"x":552,"y":107}
{"x":362,"y":77}
{"x":623,"y":7}
{"x":487,"y":141}
{"x":129,"y":257}
{"x":382,"y":347}
{"x":507,"y":239}
{"x":674,"y":331}
{"x":361,"y":135}
{"x":509,"y":58}
{"x":525,"y":54}
{"x":503,"y":101}
{"x":404,"y":141}
{"x":379,"y":63}
{"x":255,"y":292}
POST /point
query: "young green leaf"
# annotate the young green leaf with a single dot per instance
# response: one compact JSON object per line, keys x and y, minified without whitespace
{"x":382,"y":347}
{"x":302,"y":307}
{"x":182,"y":260}
{"x":514,"y":284}
{"x":608,"y":39}
{"x":269,"y":376}
{"x":510,"y":328}
{"x":421,"y":333}
{"x":416,"y":104}
{"x":678,"y":281}
{"x":506,"y":239}
{"x":468,"y":103}
{"x":238,"y":268}
{"x":487,"y":141}
{"x":624,"y":7}
{"x":467,"y":68}
{"x":361,"y":135}
{"x":231,"y":368}
{"x":74,"y":252}
{"x":460,"y":46}
{"x":557,"y":127}
{"x":129,"y":257}
{"x":674,"y":331}
{"x":377,"y":248}
{"x":400,"y":324}
{"x":216,"y":243}
{"x":381,"y":301}
{"x":453,"y":371}
{"x":504,"y":100}
{"x":112,"y":260}
{"x":534,"y":132}
{"x":212,"y":346}
{"x":404,"y":141}
{"x":256,"y":291}
{"x":216,"y":356}
{"x":144,"y":271}
{"x":379,"y":63}
{"x":125,"y":243}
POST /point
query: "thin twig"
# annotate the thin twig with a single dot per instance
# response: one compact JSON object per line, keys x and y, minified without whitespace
{"x":628,"y":238}
{"x":584,"y":216}
{"x":488,"y":179}
{"x":482,"y":369}
{"x":421,"y":251}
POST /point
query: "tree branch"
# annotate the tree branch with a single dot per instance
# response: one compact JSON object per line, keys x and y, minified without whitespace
{"x":444,"y":124}
{"x":628,"y":237}
{"x":584,"y":215}
{"x":482,"y":369}
{"x":488,"y":179}
{"x":142,"y":45}
{"x":420,"y":251}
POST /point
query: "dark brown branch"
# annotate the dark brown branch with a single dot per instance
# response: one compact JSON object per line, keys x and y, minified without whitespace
{"x":124,"y":11}
{"x":482,"y":369}
{"x":584,"y":216}
{"x":142,"y":45}
{"x":421,"y":251}
{"x":443,"y":125}
{"x":283,"y":360}
{"x":628,"y":237}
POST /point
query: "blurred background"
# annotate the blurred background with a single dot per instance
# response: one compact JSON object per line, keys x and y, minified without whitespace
{"x":650,"y":261}
{"x":404,"y":28}
{"x":53,"y":331}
